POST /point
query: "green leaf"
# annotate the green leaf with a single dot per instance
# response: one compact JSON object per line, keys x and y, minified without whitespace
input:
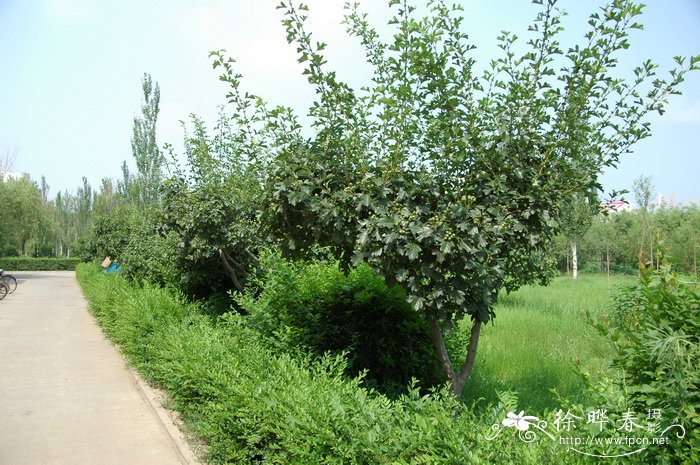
{"x":413,"y":251}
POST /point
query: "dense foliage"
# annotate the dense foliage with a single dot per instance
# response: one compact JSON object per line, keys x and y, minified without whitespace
{"x":657,"y":335}
{"x":317,"y":308}
{"x":450,"y":183}
{"x":33,"y":225}
{"x":427,"y":193}
{"x":250,"y":401}
{"x":251,"y":404}
{"x":210,"y":211}
{"x":24,"y":225}
{"x":447,"y":182}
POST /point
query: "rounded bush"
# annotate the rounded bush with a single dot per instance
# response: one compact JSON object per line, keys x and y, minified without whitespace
{"x":319,"y":308}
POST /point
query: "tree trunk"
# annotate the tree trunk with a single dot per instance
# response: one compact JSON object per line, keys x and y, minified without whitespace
{"x":695,"y":255}
{"x":227,"y":261}
{"x":574,"y":259}
{"x":466,"y":371}
{"x":607,"y":261}
{"x":439,"y":343}
{"x":458,"y":381}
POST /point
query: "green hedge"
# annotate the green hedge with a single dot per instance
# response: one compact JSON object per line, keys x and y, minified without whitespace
{"x":38,"y":264}
{"x":250,"y":405}
{"x":316,"y":308}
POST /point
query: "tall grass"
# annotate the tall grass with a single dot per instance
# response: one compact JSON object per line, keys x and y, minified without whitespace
{"x":538,"y":337}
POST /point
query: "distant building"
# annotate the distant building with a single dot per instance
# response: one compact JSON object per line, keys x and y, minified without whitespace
{"x":617,"y":206}
{"x":671,"y":202}
{"x":663,"y":202}
{"x":13,"y":175}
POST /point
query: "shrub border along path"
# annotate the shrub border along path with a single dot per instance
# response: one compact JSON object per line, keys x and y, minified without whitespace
{"x":38,"y":264}
{"x":252,"y":405}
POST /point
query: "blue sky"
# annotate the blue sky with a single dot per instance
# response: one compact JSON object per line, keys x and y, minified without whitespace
{"x":71,"y":71}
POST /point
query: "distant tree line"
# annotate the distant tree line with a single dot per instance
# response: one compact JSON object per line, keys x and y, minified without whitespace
{"x":33,"y":225}
{"x":620,"y":242}
{"x":598,"y":238}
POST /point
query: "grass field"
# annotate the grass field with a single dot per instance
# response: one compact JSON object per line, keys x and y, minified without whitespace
{"x":537,"y":336}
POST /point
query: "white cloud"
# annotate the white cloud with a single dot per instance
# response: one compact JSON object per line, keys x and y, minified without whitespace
{"x":252,"y":34}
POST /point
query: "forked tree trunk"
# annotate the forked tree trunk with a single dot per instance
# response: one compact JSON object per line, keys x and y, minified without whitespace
{"x":229,"y":263}
{"x":458,"y":380}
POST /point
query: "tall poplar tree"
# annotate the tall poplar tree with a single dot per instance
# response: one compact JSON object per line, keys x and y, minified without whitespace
{"x":143,"y":188}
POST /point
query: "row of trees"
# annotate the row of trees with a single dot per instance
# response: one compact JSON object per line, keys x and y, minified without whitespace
{"x":602,"y":238}
{"x":616,"y":242}
{"x":619,"y":242}
{"x":449,"y":182}
{"x":32,"y":224}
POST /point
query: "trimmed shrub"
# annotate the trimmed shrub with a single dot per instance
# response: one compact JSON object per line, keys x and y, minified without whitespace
{"x":38,"y":264}
{"x":315,"y":307}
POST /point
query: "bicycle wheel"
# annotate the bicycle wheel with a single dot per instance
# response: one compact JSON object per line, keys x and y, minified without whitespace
{"x":3,"y":290}
{"x":11,"y":283}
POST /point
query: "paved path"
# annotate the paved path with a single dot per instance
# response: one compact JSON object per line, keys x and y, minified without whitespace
{"x":66,"y":395}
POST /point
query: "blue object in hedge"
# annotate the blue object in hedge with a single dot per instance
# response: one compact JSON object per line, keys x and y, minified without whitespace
{"x":113,"y":267}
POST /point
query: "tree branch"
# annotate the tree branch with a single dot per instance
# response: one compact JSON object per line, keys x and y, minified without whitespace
{"x":252,"y":256}
{"x":225,"y":259}
{"x":439,"y":343}
{"x":463,"y":377}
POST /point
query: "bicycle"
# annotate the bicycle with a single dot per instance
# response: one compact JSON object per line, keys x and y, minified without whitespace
{"x":9,"y":281}
{"x":3,"y":290}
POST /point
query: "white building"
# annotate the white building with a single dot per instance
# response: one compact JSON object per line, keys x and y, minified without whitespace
{"x":617,"y":206}
{"x":13,"y":175}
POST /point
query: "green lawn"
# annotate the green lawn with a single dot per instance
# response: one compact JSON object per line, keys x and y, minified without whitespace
{"x":537,"y":336}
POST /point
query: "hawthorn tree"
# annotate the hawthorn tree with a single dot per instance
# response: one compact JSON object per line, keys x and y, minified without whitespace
{"x":210,"y":208}
{"x":448,"y":181}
